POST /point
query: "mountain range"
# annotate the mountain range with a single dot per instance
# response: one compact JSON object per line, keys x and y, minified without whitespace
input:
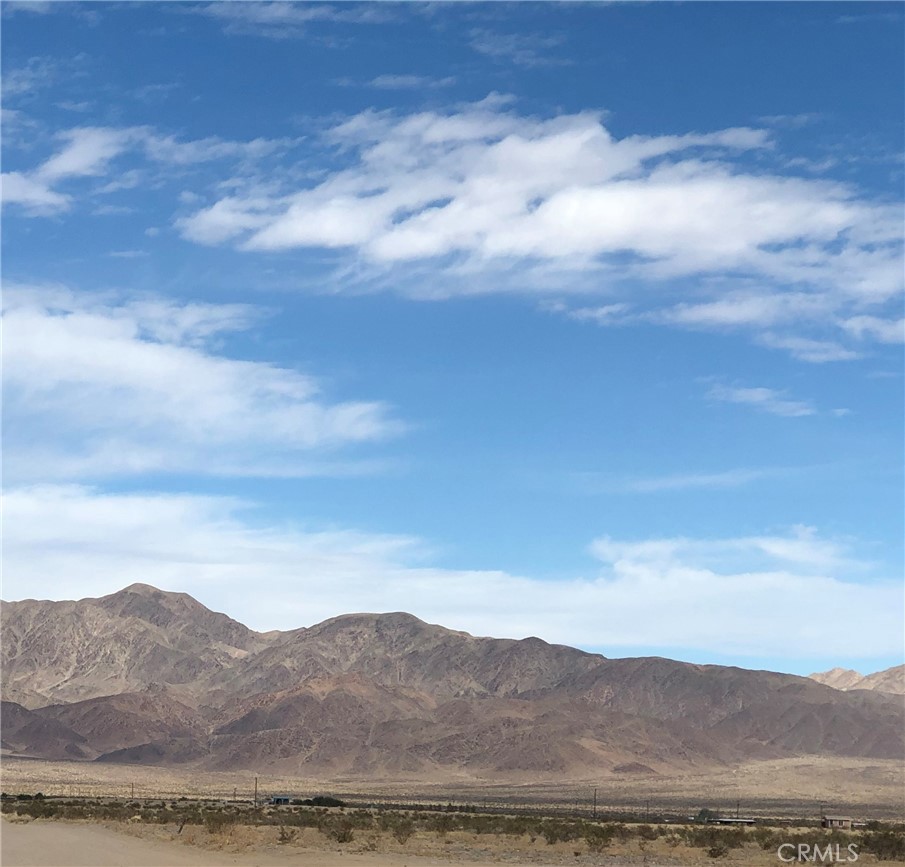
{"x":147,"y":676}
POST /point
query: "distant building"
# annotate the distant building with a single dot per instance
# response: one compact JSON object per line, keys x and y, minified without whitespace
{"x":743,"y":820}
{"x":280,"y":800}
{"x":837,"y":822}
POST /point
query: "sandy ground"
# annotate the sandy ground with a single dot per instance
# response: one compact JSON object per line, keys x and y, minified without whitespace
{"x":59,"y":844}
{"x":49,"y":843}
{"x":802,"y":787}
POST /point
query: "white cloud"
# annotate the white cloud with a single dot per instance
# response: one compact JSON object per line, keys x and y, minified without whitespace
{"x":100,"y":386}
{"x":765,"y":399}
{"x":484,"y":199}
{"x":31,"y":193}
{"x":791,"y":594}
{"x":87,"y":151}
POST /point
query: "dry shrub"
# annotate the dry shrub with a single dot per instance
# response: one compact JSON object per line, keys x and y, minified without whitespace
{"x":287,"y":835}
{"x":403,"y":830}
{"x":218,"y":822}
{"x":597,"y":838}
{"x":339,"y":830}
{"x":242,"y":837}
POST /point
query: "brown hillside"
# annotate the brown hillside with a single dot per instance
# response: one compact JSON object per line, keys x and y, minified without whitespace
{"x":152,"y":677}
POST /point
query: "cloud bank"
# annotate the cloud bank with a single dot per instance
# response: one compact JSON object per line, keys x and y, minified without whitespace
{"x":104,"y":385}
{"x":483,"y":199}
{"x":748,"y":595}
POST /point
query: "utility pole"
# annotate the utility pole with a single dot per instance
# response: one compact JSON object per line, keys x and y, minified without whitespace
{"x":133,"y":791}
{"x":738,"y":805}
{"x":595,"y":802}
{"x":256,"y":791}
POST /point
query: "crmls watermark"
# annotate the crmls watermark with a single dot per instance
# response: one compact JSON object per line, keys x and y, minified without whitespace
{"x":808,"y":853}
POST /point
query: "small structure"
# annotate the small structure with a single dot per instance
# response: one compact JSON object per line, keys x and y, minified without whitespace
{"x":280,"y":800}
{"x":734,"y":820}
{"x":844,"y":822}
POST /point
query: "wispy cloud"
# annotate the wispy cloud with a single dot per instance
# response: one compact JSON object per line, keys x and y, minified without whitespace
{"x":883,"y":330}
{"x":128,"y":254}
{"x":521,"y":49}
{"x":88,"y":152}
{"x":285,"y":20}
{"x":791,"y":121}
{"x":79,"y":107}
{"x":739,"y":595}
{"x":591,"y":482}
{"x":764,"y":399}
{"x":604,"y":314}
{"x":35,"y":7}
{"x":26,"y":82}
{"x":894,"y":16}
{"x":810,"y":349}
{"x":154,"y":93}
{"x":37,"y":74}
{"x":483,"y":199}
{"x":410,"y":82}
{"x":691,"y":481}
{"x":801,"y":547}
{"x":100,"y":386}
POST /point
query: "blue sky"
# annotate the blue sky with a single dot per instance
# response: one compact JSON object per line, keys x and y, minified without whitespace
{"x":578,"y":321}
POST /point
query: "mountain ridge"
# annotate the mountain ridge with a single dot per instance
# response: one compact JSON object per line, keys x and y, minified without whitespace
{"x":144,"y":675}
{"x":890,"y":680}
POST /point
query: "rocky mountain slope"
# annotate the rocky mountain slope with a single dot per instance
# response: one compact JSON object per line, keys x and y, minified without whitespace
{"x":153,"y":677}
{"x":892,"y":680}
{"x":67,"y":651}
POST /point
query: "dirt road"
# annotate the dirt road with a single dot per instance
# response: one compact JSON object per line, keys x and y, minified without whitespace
{"x":62,"y":844}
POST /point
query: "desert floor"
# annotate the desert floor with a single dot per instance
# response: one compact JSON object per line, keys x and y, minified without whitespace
{"x":69,"y":844}
{"x":52,"y":843}
{"x":801,"y":787}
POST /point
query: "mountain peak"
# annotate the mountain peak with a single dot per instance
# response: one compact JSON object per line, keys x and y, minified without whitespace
{"x":142,"y":589}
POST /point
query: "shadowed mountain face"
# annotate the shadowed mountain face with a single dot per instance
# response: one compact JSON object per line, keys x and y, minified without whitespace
{"x":152,"y":677}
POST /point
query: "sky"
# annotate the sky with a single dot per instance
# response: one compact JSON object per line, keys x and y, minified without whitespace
{"x":581,"y":321}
